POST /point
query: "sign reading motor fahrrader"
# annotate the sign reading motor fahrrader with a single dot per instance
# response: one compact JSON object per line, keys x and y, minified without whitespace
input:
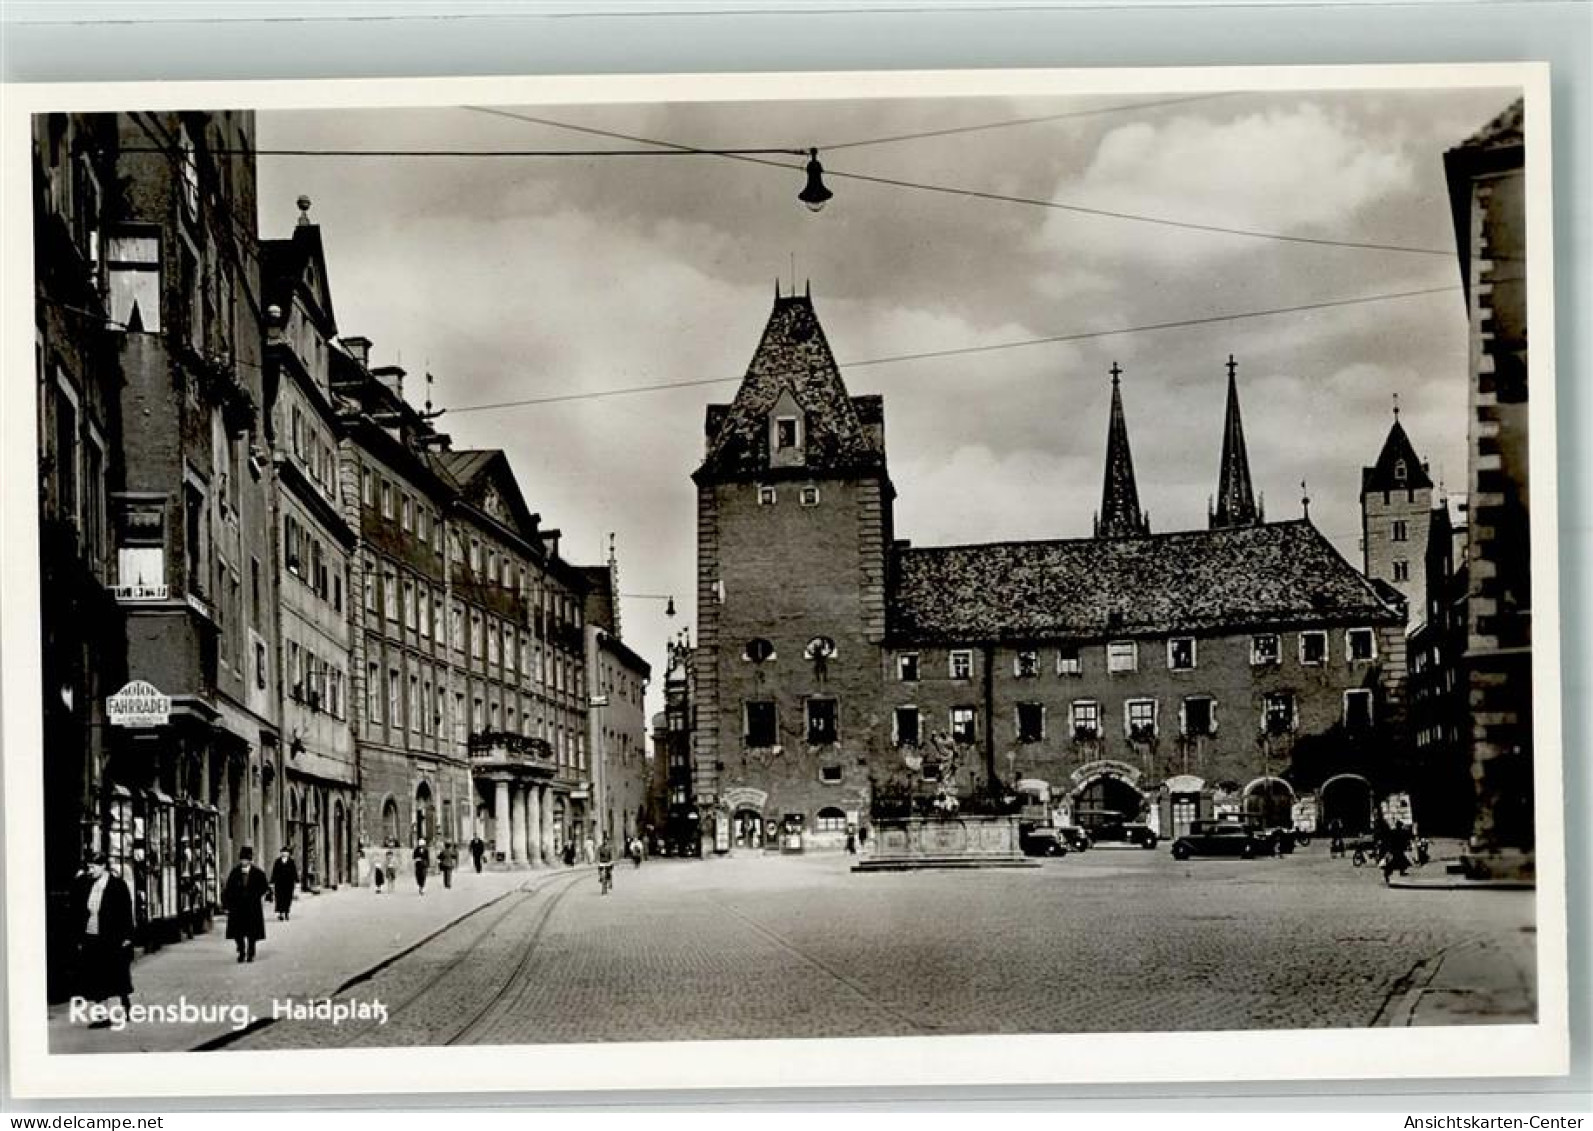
{"x":138,"y":704}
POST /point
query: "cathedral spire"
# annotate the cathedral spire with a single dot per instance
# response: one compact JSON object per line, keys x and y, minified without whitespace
{"x":1120,"y":515}
{"x":1236,"y":500}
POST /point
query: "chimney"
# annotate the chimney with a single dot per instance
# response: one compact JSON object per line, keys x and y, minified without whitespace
{"x":360,"y":348}
{"x":392,"y":378}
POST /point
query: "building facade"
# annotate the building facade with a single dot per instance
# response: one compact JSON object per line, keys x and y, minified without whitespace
{"x":194,"y":517}
{"x":414,"y":771}
{"x":515,"y":613}
{"x":617,"y":721}
{"x":1130,"y":676}
{"x":83,"y":661}
{"x":314,"y":542}
{"x":1487,"y":187}
{"x":1444,"y":798}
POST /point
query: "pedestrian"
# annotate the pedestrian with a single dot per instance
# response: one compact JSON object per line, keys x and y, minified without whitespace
{"x":364,"y":866}
{"x":851,"y":840}
{"x":447,"y":859}
{"x":1396,"y":858}
{"x":284,"y":878}
{"x":635,"y":850}
{"x":246,"y":889}
{"x":378,"y":874}
{"x":477,"y":849}
{"x":391,"y":864}
{"x":104,"y":915}
{"x":862,"y":837}
{"x":591,"y":850}
{"x":422,"y":863}
{"x":1335,"y":838}
{"x":569,"y":854}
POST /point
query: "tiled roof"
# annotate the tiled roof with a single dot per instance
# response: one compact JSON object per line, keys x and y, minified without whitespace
{"x":793,"y":355}
{"x":1191,"y":581}
{"x":1505,"y":130}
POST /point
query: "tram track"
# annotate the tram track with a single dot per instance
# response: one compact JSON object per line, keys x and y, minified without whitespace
{"x":825,"y":968}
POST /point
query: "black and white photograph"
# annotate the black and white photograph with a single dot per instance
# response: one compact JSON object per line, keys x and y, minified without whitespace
{"x":634,"y":563}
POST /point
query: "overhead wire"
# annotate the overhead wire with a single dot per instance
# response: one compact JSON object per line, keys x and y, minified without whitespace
{"x":980,"y":194}
{"x":1052,"y":339}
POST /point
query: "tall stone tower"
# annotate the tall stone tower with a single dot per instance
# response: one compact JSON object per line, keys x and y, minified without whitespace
{"x":1396,"y":518}
{"x":794,"y":528}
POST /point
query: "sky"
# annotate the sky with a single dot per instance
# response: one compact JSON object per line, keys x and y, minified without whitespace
{"x":516,"y":278}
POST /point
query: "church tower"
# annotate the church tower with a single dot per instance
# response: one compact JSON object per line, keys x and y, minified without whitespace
{"x":1120,"y":515}
{"x":1236,"y":500}
{"x":1396,"y":519}
{"x":794,"y":527}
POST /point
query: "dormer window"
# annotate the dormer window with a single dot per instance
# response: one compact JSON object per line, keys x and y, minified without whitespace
{"x":1399,"y":471}
{"x":787,"y":435}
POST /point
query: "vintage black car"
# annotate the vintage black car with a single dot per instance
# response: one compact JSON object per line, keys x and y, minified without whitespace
{"x":1125,"y":832}
{"x":1222,"y":838}
{"x":1074,"y":837}
{"x":1041,"y":840}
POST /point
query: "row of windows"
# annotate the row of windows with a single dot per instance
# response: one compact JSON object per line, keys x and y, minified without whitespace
{"x":413,"y":514}
{"x":415,"y":700}
{"x":491,"y":640}
{"x":1197,"y":718}
{"x":807,"y":495}
{"x":1122,"y":656}
{"x":304,"y":557}
{"x":1142,"y":722}
{"x":316,"y":682}
{"x":314,"y":452}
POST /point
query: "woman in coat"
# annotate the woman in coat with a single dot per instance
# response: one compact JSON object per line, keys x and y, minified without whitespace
{"x":246,"y":889}
{"x":284,"y":879}
{"x":104,"y":914}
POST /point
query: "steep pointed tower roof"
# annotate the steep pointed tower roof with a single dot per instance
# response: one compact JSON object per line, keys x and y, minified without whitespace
{"x":1398,"y":467}
{"x":1236,"y":498}
{"x":793,"y":366}
{"x":1120,"y":515}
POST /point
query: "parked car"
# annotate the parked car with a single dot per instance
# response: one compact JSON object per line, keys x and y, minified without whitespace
{"x":1041,"y":840}
{"x":1130,"y":832}
{"x":1222,"y":838}
{"x":1074,"y":837}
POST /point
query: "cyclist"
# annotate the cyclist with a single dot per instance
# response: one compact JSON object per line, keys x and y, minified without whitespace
{"x":605,"y":865}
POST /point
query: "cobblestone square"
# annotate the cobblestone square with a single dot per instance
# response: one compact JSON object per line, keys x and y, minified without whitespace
{"x":1113,"y":940}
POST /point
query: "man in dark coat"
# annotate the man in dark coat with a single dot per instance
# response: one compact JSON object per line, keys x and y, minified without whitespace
{"x":284,"y":879}
{"x":246,"y":889}
{"x":478,"y":848}
{"x":104,"y":914}
{"x":447,"y":861}
{"x":422,"y":864}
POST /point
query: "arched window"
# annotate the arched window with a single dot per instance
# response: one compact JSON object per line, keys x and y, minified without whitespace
{"x":390,"y":821}
{"x":830,"y":820}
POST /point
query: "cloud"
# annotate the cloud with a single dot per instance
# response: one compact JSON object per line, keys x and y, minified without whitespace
{"x":1294,"y":170}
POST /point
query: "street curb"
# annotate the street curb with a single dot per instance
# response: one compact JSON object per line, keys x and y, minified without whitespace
{"x":222,"y":1040}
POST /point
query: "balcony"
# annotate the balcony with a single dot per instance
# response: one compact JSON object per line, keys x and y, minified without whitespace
{"x":514,"y":753}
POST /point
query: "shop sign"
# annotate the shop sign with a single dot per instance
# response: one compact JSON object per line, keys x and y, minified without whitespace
{"x":745,"y":797}
{"x":138,"y":704}
{"x":1106,"y":768}
{"x":134,"y":593}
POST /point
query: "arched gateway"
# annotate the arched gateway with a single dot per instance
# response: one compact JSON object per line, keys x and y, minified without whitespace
{"x":1105,"y":795}
{"x":1348,"y":799}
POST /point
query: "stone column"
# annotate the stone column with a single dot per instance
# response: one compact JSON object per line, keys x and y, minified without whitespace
{"x":547,"y":824}
{"x":500,"y":816}
{"x":517,"y":824}
{"x":533,"y":826}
